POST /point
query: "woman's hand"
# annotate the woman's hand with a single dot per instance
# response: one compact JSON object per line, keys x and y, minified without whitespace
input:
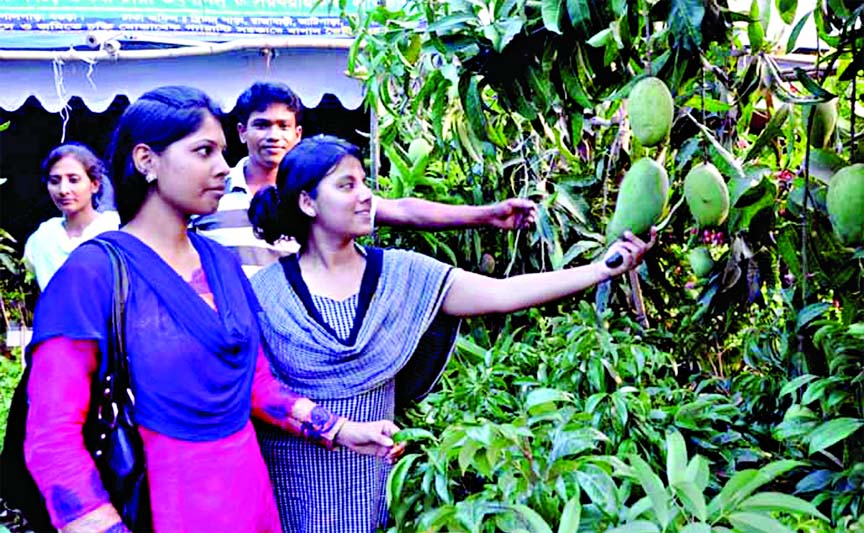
{"x":632,"y":250}
{"x":513,"y":213}
{"x":370,"y":438}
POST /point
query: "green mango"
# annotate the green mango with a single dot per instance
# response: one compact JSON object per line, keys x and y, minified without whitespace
{"x":641,"y":199}
{"x":846,"y":204}
{"x":700,"y":261}
{"x":824,"y":121}
{"x":707,"y":195}
{"x":651,"y":109}
{"x":417,"y":149}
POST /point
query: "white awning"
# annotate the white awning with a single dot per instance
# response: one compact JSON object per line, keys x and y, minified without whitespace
{"x":311,"y":67}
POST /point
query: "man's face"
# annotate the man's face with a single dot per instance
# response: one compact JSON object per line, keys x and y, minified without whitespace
{"x":269,"y":134}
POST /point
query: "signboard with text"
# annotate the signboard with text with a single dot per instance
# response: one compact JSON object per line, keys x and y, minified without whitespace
{"x":246,"y":17}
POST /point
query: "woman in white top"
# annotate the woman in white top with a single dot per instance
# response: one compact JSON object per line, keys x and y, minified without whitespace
{"x":74,"y":177}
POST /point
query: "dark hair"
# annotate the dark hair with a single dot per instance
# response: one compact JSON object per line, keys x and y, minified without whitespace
{"x":275,"y":211}
{"x":158,"y":119}
{"x":261,"y":94}
{"x":82,"y":153}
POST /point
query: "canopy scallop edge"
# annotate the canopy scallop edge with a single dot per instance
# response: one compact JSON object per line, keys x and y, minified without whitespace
{"x":310,"y":72}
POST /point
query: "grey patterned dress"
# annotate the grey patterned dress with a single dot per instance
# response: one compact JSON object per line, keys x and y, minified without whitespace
{"x":351,"y":501}
{"x":347,"y":356}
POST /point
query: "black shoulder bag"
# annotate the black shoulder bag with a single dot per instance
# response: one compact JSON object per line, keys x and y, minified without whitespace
{"x":110,"y":433}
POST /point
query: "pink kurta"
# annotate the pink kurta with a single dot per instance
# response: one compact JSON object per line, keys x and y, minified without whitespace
{"x":214,"y":486}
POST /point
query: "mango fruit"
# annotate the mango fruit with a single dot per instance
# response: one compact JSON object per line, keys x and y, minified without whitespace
{"x":846,"y":204}
{"x":707,"y":195}
{"x":651,"y":109}
{"x":418,"y":148}
{"x":641,"y":199}
{"x":824,"y":121}
{"x":700,"y":261}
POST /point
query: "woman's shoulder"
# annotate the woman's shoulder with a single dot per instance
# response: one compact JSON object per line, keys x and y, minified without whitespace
{"x":48,"y":229}
{"x":397,"y":257}
{"x":109,"y":219}
{"x":48,"y":234}
{"x":269,"y":278}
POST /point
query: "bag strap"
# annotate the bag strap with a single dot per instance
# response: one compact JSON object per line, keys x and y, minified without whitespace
{"x":116,"y":376}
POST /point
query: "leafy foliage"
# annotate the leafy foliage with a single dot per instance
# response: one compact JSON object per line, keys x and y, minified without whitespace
{"x":756,"y":364}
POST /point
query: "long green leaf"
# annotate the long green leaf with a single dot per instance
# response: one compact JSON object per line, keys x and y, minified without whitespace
{"x":579,"y":13}
{"x":796,"y":384}
{"x":796,"y":31}
{"x":832,"y":432}
{"x":772,"y":130}
{"x":599,"y":487}
{"x":692,"y":499}
{"x":396,"y":480}
{"x":676,"y":458}
{"x":773,"y":502}
{"x":571,"y":515}
{"x":786,"y":9}
{"x":756,"y":523}
{"x":551,"y":12}
{"x":539,"y":397}
{"x":653,"y":487}
{"x":532,"y":520}
{"x":637,"y":526}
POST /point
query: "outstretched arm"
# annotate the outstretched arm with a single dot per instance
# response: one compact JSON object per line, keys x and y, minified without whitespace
{"x":473,"y":294}
{"x":514,"y":213}
{"x":273,"y":403}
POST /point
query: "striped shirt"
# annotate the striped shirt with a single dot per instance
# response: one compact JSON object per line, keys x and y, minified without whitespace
{"x":321,"y":491}
{"x":230,"y":226}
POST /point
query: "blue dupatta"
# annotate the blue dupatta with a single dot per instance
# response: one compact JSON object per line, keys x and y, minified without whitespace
{"x":192,"y":367}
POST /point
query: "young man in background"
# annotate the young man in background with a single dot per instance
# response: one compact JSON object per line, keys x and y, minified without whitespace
{"x":269,"y":124}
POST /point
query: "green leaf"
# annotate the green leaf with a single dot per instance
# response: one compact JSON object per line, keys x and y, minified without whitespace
{"x":810,"y":313}
{"x":579,"y":13}
{"x":720,"y":156}
{"x":772,"y":130}
{"x":637,"y":526}
{"x":696,"y":527}
{"x":756,"y":523}
{"x":412,"y":434}
{"x":5,"y":125}
{"x":796,"y":384}
{"x":533,"y":522}
{"x":599,"y":39}
{"x":832,"y":432}
{"x":760,"y":16}
{"x":693,"y":499}
{"x":539,"y":397}
{"x":773,"y":502}
{"x":396,"y":480}
{"x":698,"y":472}
{"x":551,"y":12}
{"x":796,"y":31}
{"x":817,"y":90}
{"x":473,"y":106}
{"x":733,"y":491}
{"x":685,"y":23}
{"x":571,"y":515}
{"x":599,"y":487}
{"x":816,"y":390}
{"x":787,"y":9}
{"x":815,"y":481}
{"x":653,"y":487}
{"x":676,"y":458}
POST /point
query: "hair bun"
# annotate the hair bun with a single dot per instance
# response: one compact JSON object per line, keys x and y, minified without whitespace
{"x":265,"y":214}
